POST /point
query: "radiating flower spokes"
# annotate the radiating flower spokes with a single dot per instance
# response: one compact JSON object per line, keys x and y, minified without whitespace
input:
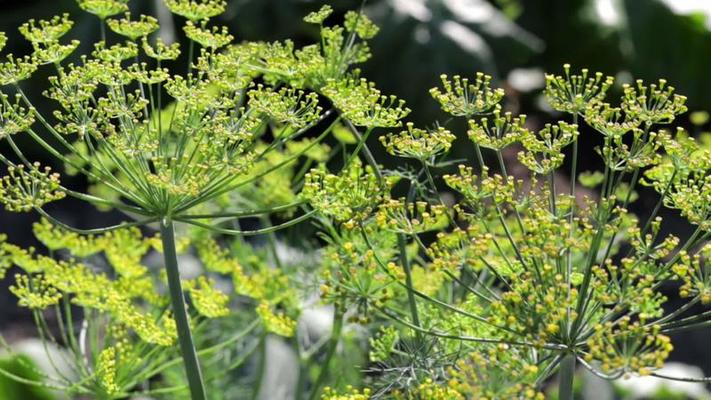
{"x":133,"y":29}
{"x":573,"y":93}
{"x":46,"y":31}
{"x":463,"y":98}
{"x":608,"y":120}
{"x":653,"y":104}
{"x":364,"y":105}
{"x":418,"y":143}
{"x":498,"y":131}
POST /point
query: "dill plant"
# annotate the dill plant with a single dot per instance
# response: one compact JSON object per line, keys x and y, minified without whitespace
{"x":197,"y":146}
{"x":485,"y":298}
{"x":519,"y":281}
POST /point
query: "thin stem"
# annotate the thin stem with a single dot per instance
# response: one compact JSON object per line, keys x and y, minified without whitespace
{"x":96,"y":231}
{"x":571,"y":220}
{"x":479,"y":156}
{"x":696,"y":326}
{"x":187,"y":347}
{"x":262,"y":366}
{"x":679,"y":311}
{"x":402,"y":245}
{"x":425,"y":297}
{"x":204,"y":352}
{"x":102,"y":29}
{"x":225,"y":185}
{"x":543,"y":376}
{"x":547,"y":346}
{"x":191,"y":50}
{"x":255,"y":232}
{"x":599,"y":374}
{"x":681,"y":378}
{"x":366,"y":151}
{"x":243,"y":213}
{"x":567,"y":375}
{"x":359,"y":146}
{"x":330,"y":352}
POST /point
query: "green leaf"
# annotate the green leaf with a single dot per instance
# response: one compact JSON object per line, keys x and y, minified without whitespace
{"x":21,"y":365}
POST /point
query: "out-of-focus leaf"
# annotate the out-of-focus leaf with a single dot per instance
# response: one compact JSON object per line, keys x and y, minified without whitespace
{"x":10,"y":389}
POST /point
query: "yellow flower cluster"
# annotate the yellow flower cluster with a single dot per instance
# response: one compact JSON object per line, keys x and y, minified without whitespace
{"x":35,"y":293}
{"x":26,"y":188}
{"x":418,"y":143}
{"x":691,"y":271}
{"x":195,"y":11}
{"x":103,"y":8}
{"x":500,"y":372}
{"x":364,"y":105}
{"x":572,"y":93}
{"x":14,"y":118}
{"x":653,"y":104}
{"x":360,"y":24}
{"x":317,"y":17}
{"x":286,"y":106}
{"x":499,"y":131}
{"x":16,"y":69}
{"x":348,"y":197}
{"x":276,"y":322}
{"x":544,"y":149}
{"x":463,"y":98}
{"x":133,"y":30}
{"x":46,"y":31}
{"x":213,"y":38}
{"x":268,"y":287}
{"x":48,"y":279}
{"x":352,"y":274}
{"x":630,"y":347}
{"x":350,"y":394}
{"x":208,"y":301}
{"x":410,"y":218}
{"x":430,"y":390}
{"x":106,"y":371}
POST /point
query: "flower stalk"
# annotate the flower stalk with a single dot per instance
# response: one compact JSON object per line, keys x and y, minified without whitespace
{"x":187,"y":346}
{"x":567,"y":376}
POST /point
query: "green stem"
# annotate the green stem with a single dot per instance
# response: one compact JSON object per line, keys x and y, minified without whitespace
{"x":571,"y":222}
{"x":187,"y":347}
{"x":332,"y":345}
{"x":303,"y":371}
{"x":243,"y":213}
{"x":255,"y":232}
{"x":262,"y":366}
{"x":566,"y":375}
{"x":359,"y":146}
{"x":102,"y":29}
{"x":366,"y":152}
{"x":402,"y":244}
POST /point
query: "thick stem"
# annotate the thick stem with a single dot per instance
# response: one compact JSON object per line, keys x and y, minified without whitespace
{"x":566,"y":375}
{"x":187,"y":347}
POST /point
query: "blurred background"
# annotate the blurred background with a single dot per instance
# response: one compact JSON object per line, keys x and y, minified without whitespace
{"x":513,"y":40}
